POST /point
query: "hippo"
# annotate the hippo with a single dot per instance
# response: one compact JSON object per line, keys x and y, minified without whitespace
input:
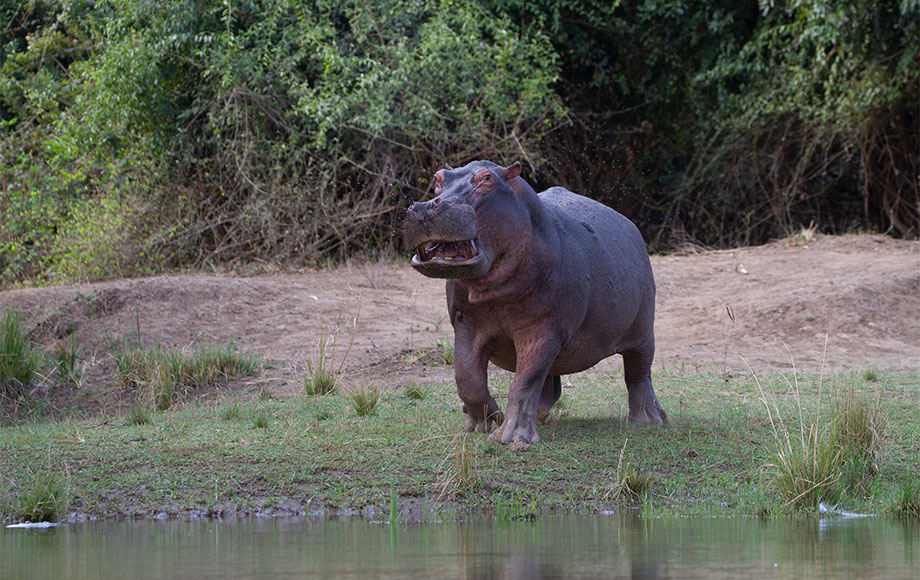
{"x":539,"y":284}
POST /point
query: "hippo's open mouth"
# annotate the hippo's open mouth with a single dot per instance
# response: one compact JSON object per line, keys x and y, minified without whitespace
{"x":451,"y":259}
{"x":445,"y":251}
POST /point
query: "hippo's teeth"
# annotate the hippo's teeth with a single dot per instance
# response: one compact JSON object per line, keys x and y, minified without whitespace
{"x":463,"y":250}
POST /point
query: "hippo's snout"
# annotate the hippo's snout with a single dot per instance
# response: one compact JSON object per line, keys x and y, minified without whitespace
{"x":443,"y":237}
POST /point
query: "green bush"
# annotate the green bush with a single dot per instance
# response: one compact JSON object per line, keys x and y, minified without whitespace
{"x":137,"y":136}
{"x":213,"y":132}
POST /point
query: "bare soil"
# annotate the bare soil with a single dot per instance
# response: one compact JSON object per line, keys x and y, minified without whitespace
{"x":837,"y":302}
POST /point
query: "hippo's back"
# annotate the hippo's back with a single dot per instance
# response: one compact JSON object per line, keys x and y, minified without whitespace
{"x":579,"y":212}
{"x":606,"y":249}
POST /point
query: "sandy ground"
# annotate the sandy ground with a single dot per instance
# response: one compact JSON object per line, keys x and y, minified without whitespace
{"x":849,"y":302}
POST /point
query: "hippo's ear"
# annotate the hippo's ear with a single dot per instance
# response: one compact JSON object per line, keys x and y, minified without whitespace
{"x":513,"y":170}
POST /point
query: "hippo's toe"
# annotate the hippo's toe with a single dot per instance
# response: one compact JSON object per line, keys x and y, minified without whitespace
{"x":482,"y":425}
{"x":650,"y":414}
{"x":518,"y":437}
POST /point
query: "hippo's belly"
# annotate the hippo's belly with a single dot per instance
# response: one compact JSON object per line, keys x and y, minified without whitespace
{"x":579,"y":355}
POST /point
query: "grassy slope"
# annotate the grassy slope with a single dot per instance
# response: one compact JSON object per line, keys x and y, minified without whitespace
{"x":712,"y":458}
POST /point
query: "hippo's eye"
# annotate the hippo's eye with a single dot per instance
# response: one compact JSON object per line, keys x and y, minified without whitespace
{"x":487,"y":178}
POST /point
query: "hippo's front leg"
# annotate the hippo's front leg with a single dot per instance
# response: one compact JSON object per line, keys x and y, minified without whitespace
{"x":533,"y":364}
{"x":470,"y":371}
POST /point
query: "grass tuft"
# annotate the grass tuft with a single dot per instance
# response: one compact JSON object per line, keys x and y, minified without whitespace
{"x":416,"y":392}
{"x":808,"y":467}
{"x":260,"y":421}
{"x":460,"y":475}
{"x":907,"y":502}
{"x":139,"y":416}
{"x":322,"y":374}
{"x":446,"y":349}
{"x":856,"y":429}
{"x":322,"y":413}
{"x":826,"y":460}
{"x":517,"y":507}
{"x":67,"y":362}
{"x":231,"y":412}
{"x":43,"y":500}
{"x":17,"y":359}
{"x":364,"y":401}
{"x":322,"y":377}
{"x":165,"y":376}
{"x":394,"y":506}
{"x":628,"y":483}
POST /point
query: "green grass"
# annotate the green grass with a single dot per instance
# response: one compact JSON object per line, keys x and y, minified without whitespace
{"x":514,"y":506}
{"x":323,"y":375}
{"x":446,"y":349}
{"x":231,"y":412}
{"x":628,"y":483}
{"x":714,"y":457}
{"x":18,"y":361}
{"x":458,"y":472}
{"x":164,"y":376}
{"x":321,"y":412}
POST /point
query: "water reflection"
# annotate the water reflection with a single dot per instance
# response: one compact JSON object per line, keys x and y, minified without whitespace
{"x":618,"y":546}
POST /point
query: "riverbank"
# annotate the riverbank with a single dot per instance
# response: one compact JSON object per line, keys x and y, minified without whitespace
{"x":315,"y":455}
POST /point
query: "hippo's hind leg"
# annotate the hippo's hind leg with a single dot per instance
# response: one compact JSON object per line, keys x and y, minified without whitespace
{"x":552,"y":390}
{"x":643,"y":404}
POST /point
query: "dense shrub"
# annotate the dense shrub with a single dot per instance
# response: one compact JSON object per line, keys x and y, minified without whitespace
{"x":729,"y":123}
{"x":139,"y":135}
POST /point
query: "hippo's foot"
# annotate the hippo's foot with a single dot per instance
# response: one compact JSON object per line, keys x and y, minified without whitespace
{"x":543,"y":416}
{"x":518,"y":436}
{"x":649,"y":414}
{"x":483,"y":424}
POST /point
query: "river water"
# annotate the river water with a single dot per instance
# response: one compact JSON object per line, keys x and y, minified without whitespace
{"x":622,"y":545}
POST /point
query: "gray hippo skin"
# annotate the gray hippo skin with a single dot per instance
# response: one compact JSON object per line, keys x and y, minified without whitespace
{"x":542,"y":285}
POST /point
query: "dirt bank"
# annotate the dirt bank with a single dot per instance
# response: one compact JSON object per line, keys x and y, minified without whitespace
{"x":854,"y":300}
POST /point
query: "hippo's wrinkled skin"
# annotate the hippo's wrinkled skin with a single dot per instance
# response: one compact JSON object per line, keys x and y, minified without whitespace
{"x":542,"y":285}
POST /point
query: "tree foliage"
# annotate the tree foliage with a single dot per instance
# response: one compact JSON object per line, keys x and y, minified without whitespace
{"x":138,"y":135}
